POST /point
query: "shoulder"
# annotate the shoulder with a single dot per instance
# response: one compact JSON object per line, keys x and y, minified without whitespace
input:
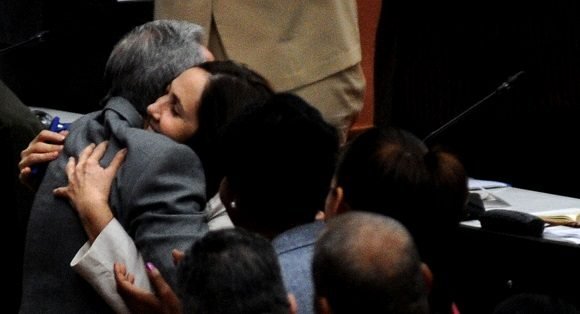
{"x":299,"y":240}
{"x":155,"y":143}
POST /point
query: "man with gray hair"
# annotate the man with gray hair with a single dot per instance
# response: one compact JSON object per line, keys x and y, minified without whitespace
{"x":367,"y":263}
{"x":158,"y":195}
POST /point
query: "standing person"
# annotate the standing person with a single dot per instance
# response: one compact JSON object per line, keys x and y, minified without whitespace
{"x":158,"y":197}
{"x":368,"y":263}
{"x":310,"y":48}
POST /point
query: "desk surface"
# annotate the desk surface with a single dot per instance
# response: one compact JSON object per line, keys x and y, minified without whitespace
{"x":515,"y":264}
{"x":533,"y":202}
{"x":65,"y":116}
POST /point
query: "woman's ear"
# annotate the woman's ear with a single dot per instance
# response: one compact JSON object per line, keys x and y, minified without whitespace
{"x":227,"y":196}
{"x":334,"y":201}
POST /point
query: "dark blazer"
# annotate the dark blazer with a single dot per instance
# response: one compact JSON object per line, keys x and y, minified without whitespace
{"x":18,"y":126}
{"x":157,"y":195}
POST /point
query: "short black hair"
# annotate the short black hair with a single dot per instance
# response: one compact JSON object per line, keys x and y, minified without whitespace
{"x":279,"y":159}
{"x":232,"y":271}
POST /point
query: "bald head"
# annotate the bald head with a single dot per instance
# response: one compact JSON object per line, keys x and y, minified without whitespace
{"x":365,"y":262}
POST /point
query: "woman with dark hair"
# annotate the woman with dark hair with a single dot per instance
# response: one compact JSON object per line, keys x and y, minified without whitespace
{"x":199,"y":102}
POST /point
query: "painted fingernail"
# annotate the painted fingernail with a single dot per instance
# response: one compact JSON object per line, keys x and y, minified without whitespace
{"x":150,"y":266}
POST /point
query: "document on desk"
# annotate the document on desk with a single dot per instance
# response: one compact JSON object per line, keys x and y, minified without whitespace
{"x":560,"y":231}
{"x":561,"y":217}
{"x":485,"y":190}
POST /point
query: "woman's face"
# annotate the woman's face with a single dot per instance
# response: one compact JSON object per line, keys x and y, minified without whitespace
{"x":175,"y":113}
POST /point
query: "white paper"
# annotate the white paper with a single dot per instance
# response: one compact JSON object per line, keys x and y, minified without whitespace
{"x":562,"y":233}
{"x":477,"y":184}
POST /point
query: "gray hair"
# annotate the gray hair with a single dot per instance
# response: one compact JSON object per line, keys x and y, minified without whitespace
{"x":149,"y":57}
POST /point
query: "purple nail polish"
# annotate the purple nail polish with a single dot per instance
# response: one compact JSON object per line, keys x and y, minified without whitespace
{"x":150,"y":266}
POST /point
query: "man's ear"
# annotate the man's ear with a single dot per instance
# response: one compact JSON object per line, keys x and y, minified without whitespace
{"x":334,"y":202}
{"x":321,"y":305}
{"x":427,"y":276}
{"x":293,"y":303}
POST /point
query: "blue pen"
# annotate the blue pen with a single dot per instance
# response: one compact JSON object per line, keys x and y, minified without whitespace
{"x":55,"y":126}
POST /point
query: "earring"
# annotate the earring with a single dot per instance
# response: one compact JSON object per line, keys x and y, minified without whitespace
{"x":233,"y":204}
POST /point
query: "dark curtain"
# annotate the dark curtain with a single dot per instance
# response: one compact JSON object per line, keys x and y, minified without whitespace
{"x":435,"y":59}
{"x":64,"y":69}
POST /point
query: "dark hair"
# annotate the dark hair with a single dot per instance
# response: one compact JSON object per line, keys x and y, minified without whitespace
{"x":368,"y":263}
{"x":149,"y":57}
{"x":393,"y":173}
{"x":231,"y":271}
{"x":231,"y":88}
{"x":535,"y":303}
{"x":279,"y":159}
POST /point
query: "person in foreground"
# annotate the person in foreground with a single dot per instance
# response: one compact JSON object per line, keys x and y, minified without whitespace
{"x":368,"y":263}
{"x":238,"y":270}
{"x":157,"y":197}
{"x":232,"y":271}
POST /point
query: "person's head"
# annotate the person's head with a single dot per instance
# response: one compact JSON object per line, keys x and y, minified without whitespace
{"x":232,"y":271}
{"x":200,"y":102}
{"x":392,"y":172}
{"x":368,"y":263}
{"x":278,"y":160}
{"x":147,"y":58}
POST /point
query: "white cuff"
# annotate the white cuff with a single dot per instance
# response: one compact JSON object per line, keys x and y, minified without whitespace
{"x":94,"y":263}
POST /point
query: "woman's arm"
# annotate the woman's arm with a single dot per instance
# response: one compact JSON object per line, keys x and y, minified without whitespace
{"x":88,"y":192}
{"x":89,"y":186}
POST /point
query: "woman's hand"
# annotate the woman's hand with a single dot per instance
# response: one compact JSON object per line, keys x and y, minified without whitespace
{"x":163,"y":301}
{"x":89,"y":186}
